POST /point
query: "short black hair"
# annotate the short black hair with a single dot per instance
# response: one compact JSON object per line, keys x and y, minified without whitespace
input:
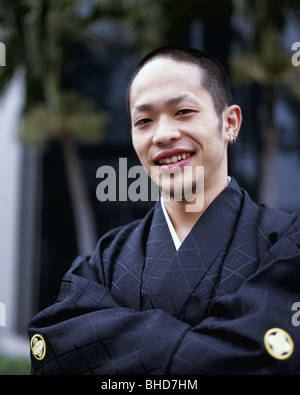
{"x":214,"y":77}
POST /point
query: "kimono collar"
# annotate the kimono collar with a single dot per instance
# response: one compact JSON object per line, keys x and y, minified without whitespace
{"x":177,"y":242}
{"x":170,"y":276}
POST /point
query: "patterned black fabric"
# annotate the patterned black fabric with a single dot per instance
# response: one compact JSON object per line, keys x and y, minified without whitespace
{"x":138,"y":306}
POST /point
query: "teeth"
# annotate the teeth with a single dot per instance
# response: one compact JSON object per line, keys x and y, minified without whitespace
{"x":174,"y":159}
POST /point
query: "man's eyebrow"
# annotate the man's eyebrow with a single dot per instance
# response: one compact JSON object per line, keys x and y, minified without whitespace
{"x":171,"y":102}
{"x":143,"y":107}
{"x":175,"y":100}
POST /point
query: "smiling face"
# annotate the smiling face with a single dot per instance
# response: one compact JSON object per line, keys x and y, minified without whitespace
{"x":175,"y":124}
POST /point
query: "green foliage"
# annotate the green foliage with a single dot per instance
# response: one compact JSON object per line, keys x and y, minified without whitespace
{"x":14,"y":366}
{"x":76,"y":118}
{"x":38,"y":35}
{"x":145,"y":19}
{"x":268,"y":65}
{"x":263,"y":59}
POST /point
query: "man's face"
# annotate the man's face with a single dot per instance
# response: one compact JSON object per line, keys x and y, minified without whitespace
{"x":174,"y":124}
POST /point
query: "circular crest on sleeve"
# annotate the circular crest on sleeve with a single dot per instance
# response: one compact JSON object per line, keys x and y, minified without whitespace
{"x":278,"y":343}
{"x":38,"y":347}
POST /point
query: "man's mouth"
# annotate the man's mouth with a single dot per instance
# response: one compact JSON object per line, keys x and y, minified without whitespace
{"x":173,"y":159}
{"x":169,"y":160}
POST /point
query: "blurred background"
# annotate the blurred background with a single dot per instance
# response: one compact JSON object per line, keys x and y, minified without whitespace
{"x":63,"y":115}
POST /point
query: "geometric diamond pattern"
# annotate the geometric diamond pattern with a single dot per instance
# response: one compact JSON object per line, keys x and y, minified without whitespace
{"x":138,"y":306}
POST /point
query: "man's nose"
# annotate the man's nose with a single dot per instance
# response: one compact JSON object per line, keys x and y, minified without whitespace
{"x":165,"y":131}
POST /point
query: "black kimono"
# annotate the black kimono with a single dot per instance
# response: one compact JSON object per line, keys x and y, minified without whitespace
{"x":224,"y":303}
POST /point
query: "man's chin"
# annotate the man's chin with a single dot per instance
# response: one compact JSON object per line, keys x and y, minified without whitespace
{"x":178,"y":193}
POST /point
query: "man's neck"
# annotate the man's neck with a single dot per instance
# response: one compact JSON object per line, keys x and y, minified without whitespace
{"x":182,"y":219}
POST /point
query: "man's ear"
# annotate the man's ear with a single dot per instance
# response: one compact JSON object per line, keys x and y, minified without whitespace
{"x":232,"y":118}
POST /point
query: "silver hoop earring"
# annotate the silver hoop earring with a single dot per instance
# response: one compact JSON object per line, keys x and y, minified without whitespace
{"x":233,"y":138}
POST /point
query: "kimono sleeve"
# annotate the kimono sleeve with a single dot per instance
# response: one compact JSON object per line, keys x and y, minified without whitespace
{"x":248,"y":332}
{"x":87,"y":332}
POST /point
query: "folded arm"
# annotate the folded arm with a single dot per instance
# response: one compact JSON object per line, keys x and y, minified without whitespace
{"x":86,"y":331}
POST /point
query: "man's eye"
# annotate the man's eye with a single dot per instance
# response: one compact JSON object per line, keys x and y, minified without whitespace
{"x":142,"y":122}
{"x":184,"y":111}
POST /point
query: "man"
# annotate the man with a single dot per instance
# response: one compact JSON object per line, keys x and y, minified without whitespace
{"x":204,"y":284}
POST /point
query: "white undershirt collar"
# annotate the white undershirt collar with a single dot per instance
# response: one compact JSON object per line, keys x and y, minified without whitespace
{"x":175,"y":238}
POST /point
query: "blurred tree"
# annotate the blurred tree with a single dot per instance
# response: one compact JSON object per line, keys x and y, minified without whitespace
{"x":144,"y":20}
{"x":75,"y":119}
{"x":180,"y":14}
{"x":267,"y":63}
{"x":38,"y":35}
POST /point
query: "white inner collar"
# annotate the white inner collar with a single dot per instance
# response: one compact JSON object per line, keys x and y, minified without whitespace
{"x":175,"y":238}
